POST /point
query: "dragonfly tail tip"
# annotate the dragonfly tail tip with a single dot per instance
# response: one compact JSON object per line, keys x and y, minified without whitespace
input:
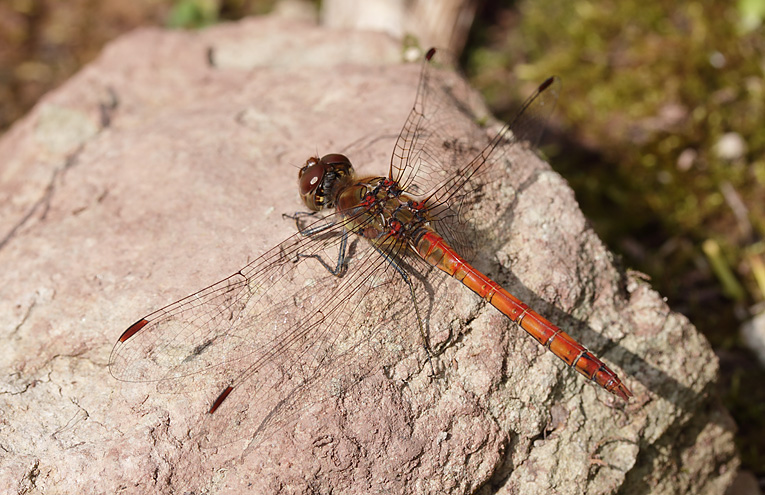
{"x":622,"y":392}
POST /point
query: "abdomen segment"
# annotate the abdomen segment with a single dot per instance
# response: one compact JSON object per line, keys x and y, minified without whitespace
{"x":438,"y":253}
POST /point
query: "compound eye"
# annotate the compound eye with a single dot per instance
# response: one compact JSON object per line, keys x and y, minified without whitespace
{"x":336,"y":159}
{"x":310,"y":176}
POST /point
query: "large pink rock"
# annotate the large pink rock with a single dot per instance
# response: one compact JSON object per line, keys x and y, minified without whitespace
{"x":165,"y":165}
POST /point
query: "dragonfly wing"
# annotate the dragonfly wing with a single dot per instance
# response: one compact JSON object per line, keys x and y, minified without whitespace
{"x":441,"y":152}
{"x":207,"y":332}
{"x":498,"y":158}
{"x":167,"y":342}
{"x":358,"y":324}
{"x":276,"y":337}
{"x":440,"y":134}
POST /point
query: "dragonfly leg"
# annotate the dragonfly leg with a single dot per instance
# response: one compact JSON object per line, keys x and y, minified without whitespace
{"x":307,"y":231}
{"x":340,"y":266}
{"x":408,"y":281}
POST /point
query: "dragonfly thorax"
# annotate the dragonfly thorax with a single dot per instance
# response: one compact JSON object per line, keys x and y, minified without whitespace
{"x":321,"y":180}
{"x":378,"y":209}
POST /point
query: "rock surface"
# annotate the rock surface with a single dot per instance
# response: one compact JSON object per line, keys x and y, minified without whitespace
{"x":166,"y":164}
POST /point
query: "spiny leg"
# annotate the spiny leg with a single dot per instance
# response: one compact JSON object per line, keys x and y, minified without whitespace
{"x":339,"y":268}
{"x":309,"y":232}
{"x":298,"y":215}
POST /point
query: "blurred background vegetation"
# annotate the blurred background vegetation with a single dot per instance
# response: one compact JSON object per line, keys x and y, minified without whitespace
{"x":660,"y":131}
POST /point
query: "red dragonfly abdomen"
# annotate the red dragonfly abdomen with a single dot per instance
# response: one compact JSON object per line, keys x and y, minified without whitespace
{"x":434,"y":249}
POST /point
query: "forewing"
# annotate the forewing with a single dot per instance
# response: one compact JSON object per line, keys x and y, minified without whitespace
{"x":443,"y":155}
{"x":439,"y":135}
{"x":277,"y":336}
{"x":208,"y":331}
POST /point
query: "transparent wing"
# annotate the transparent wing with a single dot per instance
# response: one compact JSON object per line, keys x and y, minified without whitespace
{"x":360,"y":326}
{"x":277,"y":336}
{"x":443,"y":155}
{"x":196,"y":333}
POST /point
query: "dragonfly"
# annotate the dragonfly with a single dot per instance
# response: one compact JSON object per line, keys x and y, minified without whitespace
{"x":352,"y":290}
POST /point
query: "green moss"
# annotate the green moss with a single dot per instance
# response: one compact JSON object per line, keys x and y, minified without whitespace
{"x":193,"y":14}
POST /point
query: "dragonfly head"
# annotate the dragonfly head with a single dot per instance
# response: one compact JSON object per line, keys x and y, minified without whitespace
{"x":320,"y":180}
